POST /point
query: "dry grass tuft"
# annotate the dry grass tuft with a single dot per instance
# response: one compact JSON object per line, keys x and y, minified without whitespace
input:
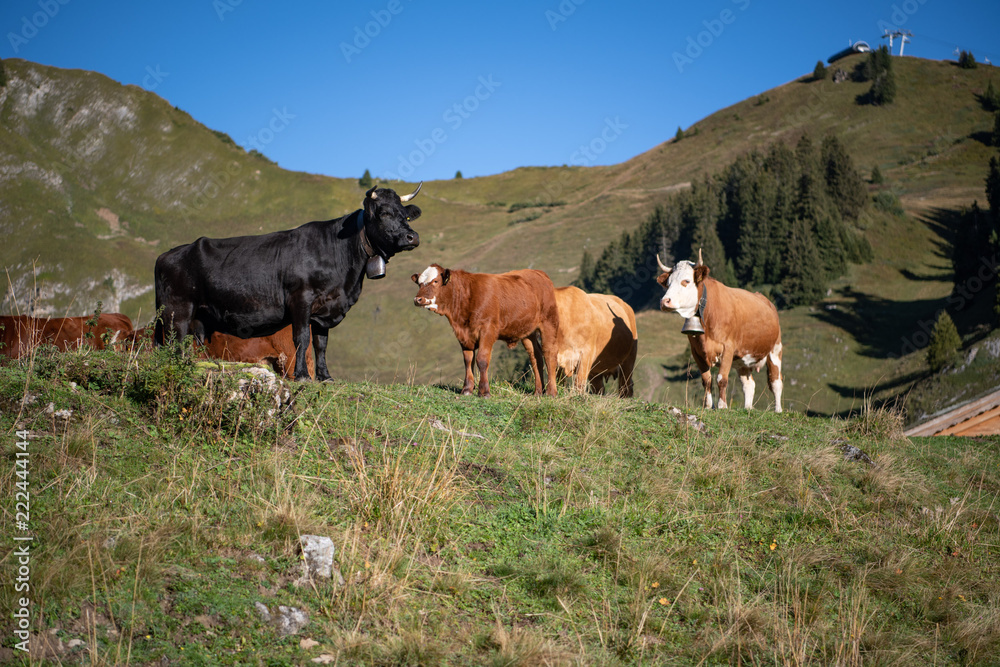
{"x":882,"y":423}
{"x":523,"y":648}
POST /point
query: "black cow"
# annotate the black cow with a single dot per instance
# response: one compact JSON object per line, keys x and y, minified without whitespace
{"x":310,"y":276}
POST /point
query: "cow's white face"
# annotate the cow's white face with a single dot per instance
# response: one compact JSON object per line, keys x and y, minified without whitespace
{"x":430,"y":281}
{"x":681,"y":296}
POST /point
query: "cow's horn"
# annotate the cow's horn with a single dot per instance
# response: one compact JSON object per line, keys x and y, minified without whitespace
{"x":665,"y":269}
{"x":700,"y":262}
{"x":412,"y":194}
{"x":371,"y":192}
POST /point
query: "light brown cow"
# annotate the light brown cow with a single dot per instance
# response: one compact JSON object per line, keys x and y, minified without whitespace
{"x":485,"y":307}
{"x":740,"y":327}
{"x":21,"y":333}
{"x":277,"y":350}
{"x":597,"y":339}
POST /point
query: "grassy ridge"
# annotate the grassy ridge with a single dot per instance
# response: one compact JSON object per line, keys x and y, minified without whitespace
{"x":68,"y":147}
{"x":510,"y":531}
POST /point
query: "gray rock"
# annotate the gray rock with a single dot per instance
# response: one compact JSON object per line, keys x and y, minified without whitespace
{"x":289,"y":620}
{"x":852,"y":453}
{"x":317,"y":553}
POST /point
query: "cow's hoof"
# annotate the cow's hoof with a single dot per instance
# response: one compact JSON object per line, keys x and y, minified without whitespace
{"x":466,"y":392}
{"x":324,"y":378}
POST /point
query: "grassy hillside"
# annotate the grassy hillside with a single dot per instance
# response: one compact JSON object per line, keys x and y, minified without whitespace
{"x":166,"y":505}
{"x":99,"y":178}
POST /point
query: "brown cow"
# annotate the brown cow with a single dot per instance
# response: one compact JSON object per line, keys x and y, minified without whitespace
{"x":484,"y":307}
{"x":739,"y":327}
{"x":597,"y":339}
{"x":22,"y":333}
{"x":278,"y":350}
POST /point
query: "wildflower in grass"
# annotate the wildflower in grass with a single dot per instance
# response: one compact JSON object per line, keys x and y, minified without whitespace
{"x":664,"y":601}
{"x":773,"y":546}
{"x":655,"y":584}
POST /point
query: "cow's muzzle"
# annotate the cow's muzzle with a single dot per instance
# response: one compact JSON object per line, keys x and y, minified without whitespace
{"x":412,"y":240}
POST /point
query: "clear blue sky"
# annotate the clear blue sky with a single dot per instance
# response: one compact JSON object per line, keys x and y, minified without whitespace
{"x":421,"y":89}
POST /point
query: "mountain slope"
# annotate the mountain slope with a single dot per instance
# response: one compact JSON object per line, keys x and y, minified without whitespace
{"x":96,"y":179}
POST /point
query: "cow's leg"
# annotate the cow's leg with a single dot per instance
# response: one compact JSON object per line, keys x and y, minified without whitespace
{"x":483,"y":355}
{"x":626,"y":384}
{"x":300,"y":337}
{"x":723,"y":378}
{"x":583,"y":378}
{"x":467,"y":355}
{"x":174,"y":320}
{"x":533,"y":345}
{"x":706,"y":382}
{"x":746,"y":379}
{"x":320,"y":337}
{"x":774,"y":375}
{"x":550,"y":351}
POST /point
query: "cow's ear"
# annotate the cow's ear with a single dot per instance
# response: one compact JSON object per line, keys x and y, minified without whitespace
{"x":700,"y":273}
{"x":412,"y":212}
{"x":415,"y":278}
{"x":663,"y":278}
{"x":445,"y":276}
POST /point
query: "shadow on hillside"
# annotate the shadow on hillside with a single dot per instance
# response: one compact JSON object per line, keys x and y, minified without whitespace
{"x":879,"y":389}
{"x":983,"y":137}
{"x":943,"y":222}
{"x":885,"y":329}
{"x":930,"y":277}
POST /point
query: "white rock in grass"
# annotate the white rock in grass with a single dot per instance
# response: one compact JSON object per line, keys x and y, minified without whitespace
{"x":317,"y":555}
{"x":289,"y":620}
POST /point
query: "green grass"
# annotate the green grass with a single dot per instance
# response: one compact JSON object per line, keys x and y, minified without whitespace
{"x":513,"y":530}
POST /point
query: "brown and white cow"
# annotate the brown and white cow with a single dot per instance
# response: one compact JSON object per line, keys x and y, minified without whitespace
{"x":20,"y":333}
{"x":597,"y":339}
{"x":740,"y":327}
{"x":485,"y":307}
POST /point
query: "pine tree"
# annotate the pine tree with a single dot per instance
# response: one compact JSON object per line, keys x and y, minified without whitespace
{"x":819,"y":72}
{"x":843,"y":182}
{"x":993,"y":189}
{"x":802,"y":283}
{"x":707,"y":240}
{"x":366,"y":180}
{"x":829,"y":246}
{"x":877,"y":178}
{"x":966,"y":60}
{"x":458,"y":174}
{"x":3,"y":75}
{"x":878,"y":69}
{"x":945,"y":343}
{"x":991,"y":98}
{"x":679,"y":134}
{"x":996,"y":130}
